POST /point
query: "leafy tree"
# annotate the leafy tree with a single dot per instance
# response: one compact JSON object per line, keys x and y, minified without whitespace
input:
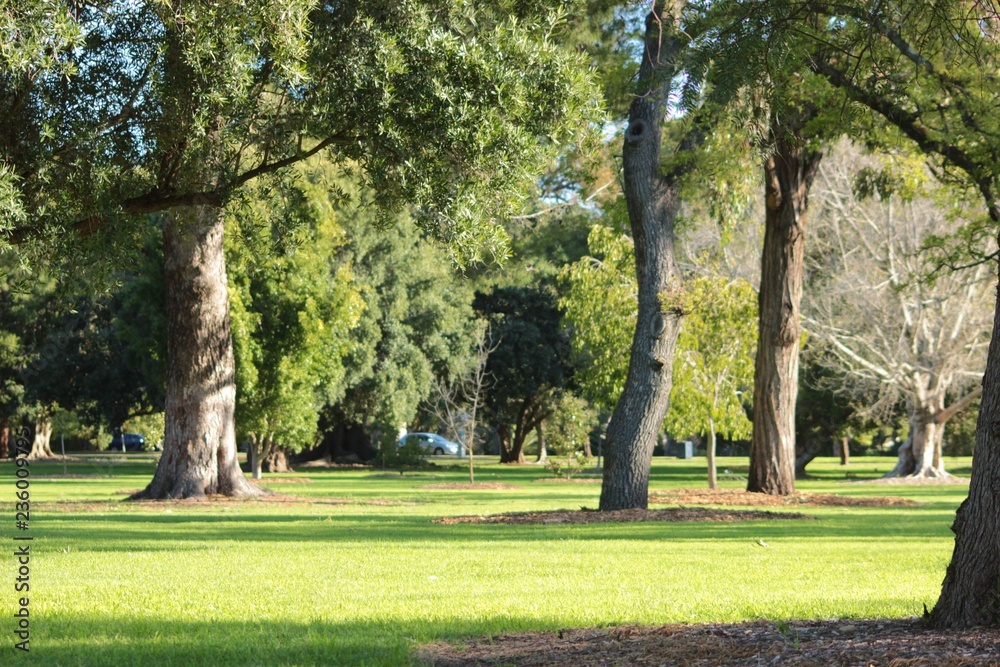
{"x":714,"y":363}
{"x":291,"y":309}
{"x":530,"y":366}
{"x":416,"y":327}
{"x":600,"y":304}
{"x":115,"y":110}
{"x":928,"y":72}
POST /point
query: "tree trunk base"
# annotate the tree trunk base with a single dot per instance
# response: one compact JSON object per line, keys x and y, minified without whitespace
{"x":277,"y":461}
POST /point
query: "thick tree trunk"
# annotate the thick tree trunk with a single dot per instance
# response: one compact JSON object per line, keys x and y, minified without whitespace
{"x":6,"y":446}
{"x":652,"y":200}
{"x":710,"y":453}
{"x":277,"y":461}
{"x":199,"y":450}
{"x":40,"y":448}
{"x":970,"y":594}
{"x":921,"y":455}
{"x":511,"y":449}
{"x":787,"y":177}
{"x":543,"y":454}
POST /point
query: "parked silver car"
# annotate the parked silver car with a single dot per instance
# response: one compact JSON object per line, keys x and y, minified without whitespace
{"x":431,"y":443}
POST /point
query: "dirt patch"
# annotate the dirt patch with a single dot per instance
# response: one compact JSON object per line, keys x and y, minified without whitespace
{"x":874,"y":643}
{"x":913,"y":481}
{"x":466,"y":486}
{"x":741,"y":497}
{"x":675,"y":514}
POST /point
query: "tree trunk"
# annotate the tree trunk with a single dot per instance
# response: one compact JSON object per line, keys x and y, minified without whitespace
{"x":787,"y":177}
{"x":845,"y":451}
{"x":805,"y":451}
{"x":6,"y":446}
{"x":921,"y":455}
{"x":971,"y":588}
{"x":199,"y":449}
{"x":653,"y":202}
{"x":277,"y":461}
{"x":543,"y":454}
{"x":40,"y":448}
{"x":710,"y":453}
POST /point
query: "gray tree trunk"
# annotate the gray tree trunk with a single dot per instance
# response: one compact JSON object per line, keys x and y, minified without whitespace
{"x":40,"y":448}
{"x":199,"y":448}
{"x":652,"y":199}
{"x":710,"y":452}
{"x":543,"y":453}
{"x":788,"y":175}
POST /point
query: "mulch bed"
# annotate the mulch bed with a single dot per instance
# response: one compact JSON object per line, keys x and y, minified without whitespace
{"x":674,"y":514}
{"x":741,"y":497}
{"x":914,"y":481}
{"x":466,"y":486}
{"x":872,"y":643}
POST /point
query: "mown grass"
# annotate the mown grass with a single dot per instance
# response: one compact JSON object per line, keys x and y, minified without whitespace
{"x":344,"y":581}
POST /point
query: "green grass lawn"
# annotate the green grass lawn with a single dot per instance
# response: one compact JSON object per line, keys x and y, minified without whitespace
{"x":360,"y":576}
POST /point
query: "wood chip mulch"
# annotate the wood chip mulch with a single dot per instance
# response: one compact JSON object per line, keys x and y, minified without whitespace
{"x":913,"y":481}
{"x":674,"y":514}
{"x":741,"y":497}
{"x":466,"y":486}
{"x":871,"y":643}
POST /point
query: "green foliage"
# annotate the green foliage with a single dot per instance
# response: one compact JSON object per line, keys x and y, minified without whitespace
{"x":714,"y":363}
{"x":531,"y":362}
{"x":599,"y":298}
{"x":410,"y":455}
{"x":118,"y":109}
{"x":574,"y":464}
{"x":569,"y":427}
{"x":417,"y":322}
{"x":291,"y":311}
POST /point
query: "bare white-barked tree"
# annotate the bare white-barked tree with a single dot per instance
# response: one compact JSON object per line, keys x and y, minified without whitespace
{"x":892,"y":332}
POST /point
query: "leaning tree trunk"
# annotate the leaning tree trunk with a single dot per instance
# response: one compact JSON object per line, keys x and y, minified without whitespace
{"x":652,"y":199}
{"x":970,"y":594}
{"x":787,"y":177}
{"x":40,"y":448}
{"x":199,"y":449}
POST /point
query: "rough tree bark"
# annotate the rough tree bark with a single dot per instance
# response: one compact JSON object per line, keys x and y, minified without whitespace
{"x":652,"y":199}
{"x":788,"y":174}
{"x":970,"y":594}
{"x":199,"y":448}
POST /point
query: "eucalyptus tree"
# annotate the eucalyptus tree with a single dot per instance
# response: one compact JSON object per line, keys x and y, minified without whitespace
{"x":929,"y":73}
{"x":114,"y":110}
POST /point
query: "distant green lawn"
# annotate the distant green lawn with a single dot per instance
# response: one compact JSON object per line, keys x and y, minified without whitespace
{"x":359,"y":583}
